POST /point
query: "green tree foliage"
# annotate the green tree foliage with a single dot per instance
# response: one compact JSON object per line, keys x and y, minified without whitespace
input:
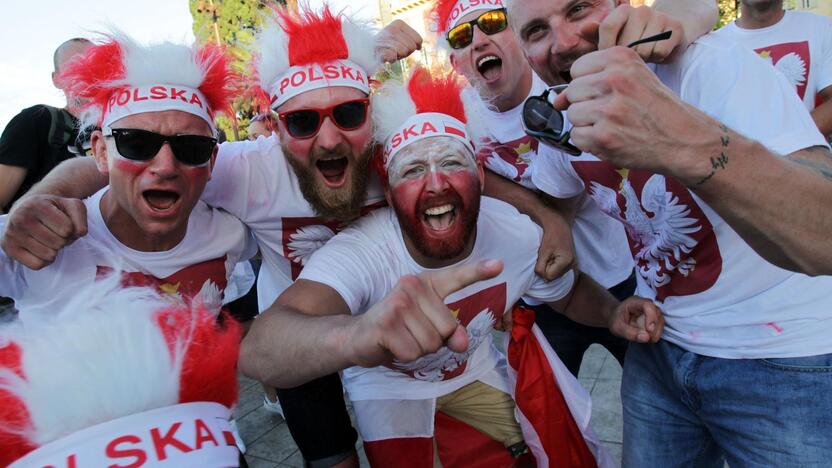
{"x":235,"y":24}
{"x":728,"y":11}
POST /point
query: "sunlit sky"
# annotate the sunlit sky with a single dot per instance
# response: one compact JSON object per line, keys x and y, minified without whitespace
{"x":31,"y":30}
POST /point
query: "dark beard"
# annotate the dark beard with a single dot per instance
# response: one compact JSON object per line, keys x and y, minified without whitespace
{"x":447,"y":249}
{"x":343,"y":204}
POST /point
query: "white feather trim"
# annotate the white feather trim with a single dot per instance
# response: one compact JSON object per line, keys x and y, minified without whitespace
{"x":360,"y":38}
{"x":477,"y":126}
{"x":102,"y":357}
{"x":272,"y":52}
{"x":391,"y":106}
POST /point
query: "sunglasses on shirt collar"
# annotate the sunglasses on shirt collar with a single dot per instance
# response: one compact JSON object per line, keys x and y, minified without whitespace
{"x":545,"y":123}
{"x":143,"y":145}
{"x":305,"y":123}
{"x":490,"y":22}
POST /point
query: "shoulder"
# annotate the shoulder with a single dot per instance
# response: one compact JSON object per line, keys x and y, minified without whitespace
{"x":498,"y":218}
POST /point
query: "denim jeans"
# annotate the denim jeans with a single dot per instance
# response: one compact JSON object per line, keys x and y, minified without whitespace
{"x":687,"y":410}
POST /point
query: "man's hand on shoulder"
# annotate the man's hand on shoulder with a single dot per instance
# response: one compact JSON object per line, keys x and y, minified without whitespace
{"x":412,"y":320}
{"x":39,"y":226}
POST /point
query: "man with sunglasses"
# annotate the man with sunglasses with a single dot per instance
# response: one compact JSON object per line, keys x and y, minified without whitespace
{"x":156,"y":146}
{"x":706,"y":208}
{"x":485,"y":50}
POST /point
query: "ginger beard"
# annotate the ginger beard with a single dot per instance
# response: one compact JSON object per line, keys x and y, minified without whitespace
{"x":341,"y":165}
{"x":435,"y":189}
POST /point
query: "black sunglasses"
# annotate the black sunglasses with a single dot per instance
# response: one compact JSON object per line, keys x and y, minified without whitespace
{"x":305,"y":123}
{"x":490,"y":22}
{"x":143,"y":145}
{"x":542,"y":121}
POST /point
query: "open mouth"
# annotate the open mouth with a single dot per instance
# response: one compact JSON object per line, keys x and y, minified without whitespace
{"x":489,"y":67}
{"x":440,"y":218}
{"x":160,"y":200}
{"x":333,"y":170}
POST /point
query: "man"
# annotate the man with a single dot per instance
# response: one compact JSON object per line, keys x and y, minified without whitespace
{"x":797,"y":43}
{"x":40,"y":137}
{"x":734,"y":321}
{"x":157,"y":147}
{"x":261,"y":125}
{"x":392,"y":271}
{"x":494,"y":64}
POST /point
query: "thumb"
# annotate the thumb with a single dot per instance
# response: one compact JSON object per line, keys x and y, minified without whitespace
{"x":561,"y":101}
{"x":589,"y":31}
{"x":458,"y":341}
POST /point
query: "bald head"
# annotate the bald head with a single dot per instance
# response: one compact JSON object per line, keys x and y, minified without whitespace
{"x":68,"y":50}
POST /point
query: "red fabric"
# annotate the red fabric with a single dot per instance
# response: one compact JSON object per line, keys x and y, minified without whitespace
{"x":539,"y":398}
{"x":13,"y":413}
{"x":209,"y":369}
{"x":91,"y":76}
{"x":442,"y":12}
{"x":412,"y":452}
{"x":436,"y":93}
{"x":219,"y":84}
{"x":314,"y":38}
{"x":462,"y":446}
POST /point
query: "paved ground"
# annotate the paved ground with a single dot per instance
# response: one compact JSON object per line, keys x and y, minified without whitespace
{"x":270,"y":444}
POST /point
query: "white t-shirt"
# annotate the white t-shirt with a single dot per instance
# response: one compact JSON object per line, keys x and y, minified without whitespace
{"x":365,"y":261}
{"x":600,"y":242}
{"x":199,"y":266}
{"x":799,"y":46}
{"x":253,"y":181}
{"x":719,"y":297}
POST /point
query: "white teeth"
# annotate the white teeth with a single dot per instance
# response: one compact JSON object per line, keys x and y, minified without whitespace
{"x":439,"y":210}
{"x":487,"y":58}
{"x":331,"y":158}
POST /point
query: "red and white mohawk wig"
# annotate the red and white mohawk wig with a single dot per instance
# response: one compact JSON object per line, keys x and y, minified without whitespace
{"x":308,"y":50}
{"x":447,"y":13}
{"x":120,"y":77}
{"x":119,"y":375}
{"x":426,"y":106}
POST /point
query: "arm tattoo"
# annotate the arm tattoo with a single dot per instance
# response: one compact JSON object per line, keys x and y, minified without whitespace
{"x":822,"y":164}
{"x":717,"y":162}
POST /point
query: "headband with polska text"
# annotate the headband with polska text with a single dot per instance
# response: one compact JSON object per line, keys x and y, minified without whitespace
{"x":421,"y":126}
{"x":301,"y":78}
{"x":463,"y":7}
{"x":141,"y":99}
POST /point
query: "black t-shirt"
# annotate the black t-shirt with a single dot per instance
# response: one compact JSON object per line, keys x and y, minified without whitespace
{"x":25,"y":143}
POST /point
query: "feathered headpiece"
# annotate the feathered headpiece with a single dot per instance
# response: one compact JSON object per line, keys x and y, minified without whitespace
{"x":447,"y":13}
{"x":308,"y":50}
{"x":121,"y":77}
{"x":427,"y":106}
{"x":118,"y":375}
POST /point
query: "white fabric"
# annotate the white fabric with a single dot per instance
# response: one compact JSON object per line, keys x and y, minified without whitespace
{"x":201,"y":427}
{"x":600,"y":242}
{"x":365,"y":261}
{"x":719,"y":297}
{"x":199,"y":266}
{"x":799,"y":46}
{"x":253,"y":181}
{"x":425,"y":125}
{"x":240,"y":283}
{"x":463,"y":7}
{"x":141,"y":99}
{"x":302,"y":78}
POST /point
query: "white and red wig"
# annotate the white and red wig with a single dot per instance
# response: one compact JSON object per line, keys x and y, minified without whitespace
{"x":121,"y":77}
{"x":307,"y":50}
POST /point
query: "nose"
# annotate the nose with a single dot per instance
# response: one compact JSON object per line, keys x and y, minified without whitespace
{"x":164,"y":165}
{"x":566,"y":39}
{"x":437,"y":182}
{"x":329,"y":136}
{"x":479,"y":39}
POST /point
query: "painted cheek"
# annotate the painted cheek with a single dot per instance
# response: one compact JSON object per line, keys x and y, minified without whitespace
{"x":130,"y":167}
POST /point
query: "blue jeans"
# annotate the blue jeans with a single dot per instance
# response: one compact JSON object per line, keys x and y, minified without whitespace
{"x":686,"y":410}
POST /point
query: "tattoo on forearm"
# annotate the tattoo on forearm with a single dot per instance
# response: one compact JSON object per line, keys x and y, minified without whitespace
{"x":717,"y":162}
{"x":822,"y":168}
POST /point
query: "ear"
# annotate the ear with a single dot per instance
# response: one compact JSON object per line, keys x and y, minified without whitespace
{"x":452,"y":57}
{"x":481,"y":174}
{"x":55,"y":79}
{"x":99,"y":151}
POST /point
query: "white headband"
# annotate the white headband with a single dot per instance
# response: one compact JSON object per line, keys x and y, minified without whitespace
{"x":302,"y":78}
{"x":463,"y":7}
{"x":421,"y":126}
{"x":157,"y":435}
{"x":141,"y":99}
